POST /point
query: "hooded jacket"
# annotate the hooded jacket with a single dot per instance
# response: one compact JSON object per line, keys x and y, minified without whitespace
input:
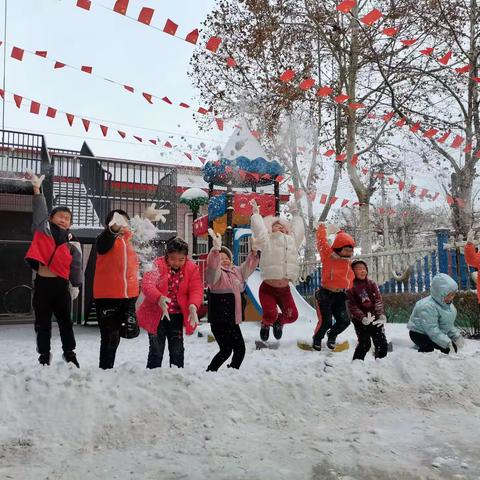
{"x":433,"y":317}
{"x":279,"y":259}
{"x":473,"y":260}
{"x":336,"y":270}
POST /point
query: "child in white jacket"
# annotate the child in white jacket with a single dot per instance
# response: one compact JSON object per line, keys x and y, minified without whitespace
{"x":279,"y":241}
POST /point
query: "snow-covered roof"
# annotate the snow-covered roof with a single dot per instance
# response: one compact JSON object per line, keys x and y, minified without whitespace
{"x":243,"y":143}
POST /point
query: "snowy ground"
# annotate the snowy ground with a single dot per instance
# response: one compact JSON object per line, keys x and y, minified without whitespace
{"x":284,"y":415}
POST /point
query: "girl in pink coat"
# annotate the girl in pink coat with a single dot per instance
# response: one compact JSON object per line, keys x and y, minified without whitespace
{"x":173,"y":291}
{"x":227,"y":282}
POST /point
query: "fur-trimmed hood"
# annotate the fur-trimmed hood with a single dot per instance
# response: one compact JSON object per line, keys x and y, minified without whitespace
{"x":271,"y":220}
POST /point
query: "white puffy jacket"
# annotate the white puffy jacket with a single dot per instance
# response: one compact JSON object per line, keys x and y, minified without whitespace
{"x":279,"y":258}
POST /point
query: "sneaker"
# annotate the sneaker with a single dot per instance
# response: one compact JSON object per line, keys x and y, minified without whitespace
{"x":331,"y":342}
{"x":70,"y":357}
{"x":264,"y":332}
{"x":45,"y":358}
{"x":277,"y":330}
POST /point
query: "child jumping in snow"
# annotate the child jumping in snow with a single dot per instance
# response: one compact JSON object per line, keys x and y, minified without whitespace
{"x":337,"y":277}
{"x":226,"y":282}
{"x":432,"y":321}
{"x":472,"y":257}
{"x":173,"y":292}
{"x":279,"y":241}
{"x":56,"y":256}
{"x":365,"y":305}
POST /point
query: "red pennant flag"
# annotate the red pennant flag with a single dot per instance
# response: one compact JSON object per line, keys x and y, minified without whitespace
{"x":457,"y":141}
{"x":17,"y":53}
{"x":356,"y":106}
{"x":146,"y":15}
{"x":34,"y":107}
{"x":86,"y":69}
{"x":192,"y":37}
{"x":462,"y":70}
{"x":41,"y":53}
{"x":364,"y":171}
{"x":287,"y":75}
{"x":86,"y":124}
{"x":307,"y":84}
{"x":129,"y":88}
{"x":431,"y":132}
{"x":121,"y":7}
{"x":104,"y":130}
{"x":468,"y":148}
{"x":147,"y":97}
{"x":188,"y":155}
{"x":423,"y":193}
{"x":391,"y":180}
{"x":85,"y":4}
{"x":153,"y":141}
{"x":354,"y":160}
{"x":412,"y":190}
{"x":291,"y":188}
{"x":427,"y":51}
{"x":202,"y":110}
{"x":390,"y":31}
{"x":140,"y":139}
{"x":231,"y":62}
{"x":386,"y":118}
{"x":401,"y":185}
{"x":323,"y":199}
{"x":450,"y":200}
{"x":460,"y":202}
{"x":122,"y":134}
{"x":341,"y":157}
{"x":324,"y":91}
{"x":70,"y":118}
{"x":202,"y":159}
{"x":18,"y":100}
{"x":409,"y":43}
{"x":333,"y":200}
{"x":213,"y":44}
{"x":279,"y":179}
{"x":476,"y":79}
{"x":167,"y":144}
{"x":346,"y":6}
{"x":51,"y":112}
{"x":59,"y":65}
{"x":219,"y":123}
{"x":167,"y":100}
{"x":435,"y":196}
{"x":380,"y":175}
{"x":184,"y":105}
{"x":477,"y":155}
{"x":170,"y":27}
{"x":344,"y":202}
{"x":446,"y":58}
{"x":415,"y":128}
{"x":2,"y":93}
{"x":371,"y":115}
{"x":329,"y":153}
{"x":341,"y":98}
{"x":400,"y":123}
{"x":444,"y":137}
{"x":372,"y":17}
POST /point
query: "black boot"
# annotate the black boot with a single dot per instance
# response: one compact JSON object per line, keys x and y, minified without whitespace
{"x":317,"y":344}
{"x":264,"y":332}
{"x":331,"y":342}
{"x":70,"y":357}
{"x":45,"y":358}
{"x":277,"y":330}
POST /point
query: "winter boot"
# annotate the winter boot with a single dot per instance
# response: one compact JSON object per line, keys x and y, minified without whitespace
{"x":45,"y":358}
{"x":277,"y":330}
{"x":331,"y":342}
{"x":317,"y":344}
{"x":264,"y":332}
{"x":70,"y":357}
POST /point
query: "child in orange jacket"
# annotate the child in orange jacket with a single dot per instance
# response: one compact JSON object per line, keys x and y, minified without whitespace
{"x":472,"y":257}
{"x":337,"y":277}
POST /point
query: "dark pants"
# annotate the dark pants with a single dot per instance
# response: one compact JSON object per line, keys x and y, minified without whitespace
{"x":330,"y":305}
{"x":51,"y":297}
{"x":366,"y":334}
{"x":424,"y":343}
{"x":172,"y":331}
{"x":111,"y":313}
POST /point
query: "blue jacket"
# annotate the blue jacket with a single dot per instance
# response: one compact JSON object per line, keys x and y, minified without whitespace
{"x":432,"y":316}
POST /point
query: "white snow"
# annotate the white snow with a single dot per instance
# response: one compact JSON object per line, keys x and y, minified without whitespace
{"x":243,"y":143}
{"x":193,"y":193}
{"x":284,"y":415}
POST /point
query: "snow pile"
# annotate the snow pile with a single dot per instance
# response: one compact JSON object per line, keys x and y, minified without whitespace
{"x":287,"y":414}
{"x":193,"y":194}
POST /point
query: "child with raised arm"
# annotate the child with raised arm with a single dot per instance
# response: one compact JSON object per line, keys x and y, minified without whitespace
{"x":279,"y":241}
{"x":56,"y":256}
{"x":337,"y":277}
{"x":226,"y":283}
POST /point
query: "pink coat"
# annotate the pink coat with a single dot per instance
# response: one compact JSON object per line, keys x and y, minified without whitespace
{"x":155,"y":285}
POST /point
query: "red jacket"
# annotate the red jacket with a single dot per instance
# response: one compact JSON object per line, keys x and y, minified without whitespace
{"x":116,"y":269}
{"x":155,"y":285}
{"x":336,"y":270}
{"x":473,"y":260}
{"x":53,"y":247}
{"x":364,"y":297}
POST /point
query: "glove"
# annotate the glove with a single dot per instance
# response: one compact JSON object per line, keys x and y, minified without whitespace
{"x":193,"y":317}
{"x":255,"y":208}
{"x":452,"y":347}
{"x":332,"y":229}
{"x":255,"y":244}
{"x":36,"y":180}
{"x":118,"y":222}
{"x":163,"y":302}
{"x":368,"y":319}
{"x":216,"y":238}
{"x":459,"y":342}
{"x":155,"y":215}
{"x":471,"y":236}
{"x":381,"y":320}
{"x":74,"y":291}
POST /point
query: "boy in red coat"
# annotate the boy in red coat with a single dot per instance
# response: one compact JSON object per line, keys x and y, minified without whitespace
{"x":365,"y":305}
{"x":173,"y":293}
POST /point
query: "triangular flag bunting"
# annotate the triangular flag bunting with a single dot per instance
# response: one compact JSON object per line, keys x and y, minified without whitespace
{"x":17,"y":53}
{"x":34,"y":107}
{"x":409,"y":43}
{"x":148,"y":97}
{"x":18,"y":100}
{"x":104,"y":130}
{"x":354,"y":160}
{"x":188,"y":155}
{"x":401,"y":185}
{"x":153,"y":141}
{"x":122,"y":134}
{"x":324,"y":91}
{"x":140,"y":139}
{"x":129,"y":88}
{"x":231,"y":62}
{"x":59,"y":65}
{"x":192,"y":37}
{"x":400,"y":123}
{"x":70,"y":118}
{"x":457,"y":141}
{"x":41,"y":53}
{"x":323,"y":199}
{"x":446,"y":58}
{"x":372,"y":17}
{"x":170,"y":27}
{"x":213,"y":44}
{"x":341,"y":98}
{"x":219,"y":123}
{"x":344,"y":202}
{"x":390,"y":31}
{"x":287,"y":75}
{"x":346,"y":6}
{"x":86,"y":69}
{"x":146,"y":15}
{"x":167,"y":100}
{"x":427,"y":51}
{"x":86,"y":124}
{"x":51,"y":112}
{"x":307,"y":84}
{"x":431,"y":132}
{"x":167,"y":144}
{"x":462,"y":70}
{"x":85,"y":4}
{"x":121,"y":6}
{"x":444,"y":137}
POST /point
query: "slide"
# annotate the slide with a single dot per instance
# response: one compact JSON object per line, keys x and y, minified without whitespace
{"x":306,"y":312}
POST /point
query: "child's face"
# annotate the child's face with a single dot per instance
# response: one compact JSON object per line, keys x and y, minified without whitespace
{"x":346,"y":252}
{"x":62,"y":220}
{"x":225,"y":260}
{"x":278,"y":227}
{"x":360,"y":271}
{"x":449,"y":298}
{"x":176,"y":260}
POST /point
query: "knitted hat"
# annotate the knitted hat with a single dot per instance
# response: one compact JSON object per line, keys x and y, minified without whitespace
{"x":270,"y":221}
{"x":343,"y":239}
{"x":227,"y":252}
